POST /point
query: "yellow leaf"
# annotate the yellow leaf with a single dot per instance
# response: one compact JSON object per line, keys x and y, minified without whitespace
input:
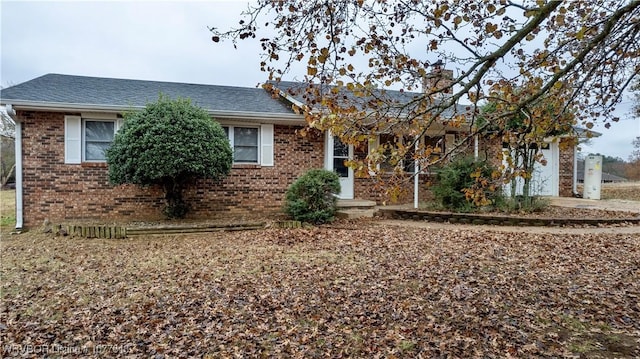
{"x":312,"y":71}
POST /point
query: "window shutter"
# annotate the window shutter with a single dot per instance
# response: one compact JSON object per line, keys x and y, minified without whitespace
{"x":72,"y":139}
{"x":449,"y":141}
{"x":266,"y":142}
{"x":119,"y":123}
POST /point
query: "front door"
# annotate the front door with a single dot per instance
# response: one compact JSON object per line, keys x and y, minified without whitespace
{"x":338,"y":153}
{"x":545,"y":178}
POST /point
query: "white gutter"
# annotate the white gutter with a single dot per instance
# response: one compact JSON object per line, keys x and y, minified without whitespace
{"x":416,"y":180}
{"x":58,"y":106}
{"x":18,"y":154}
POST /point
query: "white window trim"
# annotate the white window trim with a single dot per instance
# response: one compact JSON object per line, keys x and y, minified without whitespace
{"x":231,"y":139}
{"x":116,"y":127}
{"x":265,"y":142}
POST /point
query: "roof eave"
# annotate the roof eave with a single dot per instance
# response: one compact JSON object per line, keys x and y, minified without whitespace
{"x":59,"y":106}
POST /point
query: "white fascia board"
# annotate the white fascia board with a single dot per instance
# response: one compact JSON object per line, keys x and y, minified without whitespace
{"x":58,"y":106}
{"x":290,"y":98}
{"x":78,"y":107}
{"x":259,"y":116}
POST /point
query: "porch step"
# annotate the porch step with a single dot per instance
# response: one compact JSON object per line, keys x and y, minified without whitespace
{"x":356,"y":213}
{"x":355,"y":203}
{"x":356,"y":208}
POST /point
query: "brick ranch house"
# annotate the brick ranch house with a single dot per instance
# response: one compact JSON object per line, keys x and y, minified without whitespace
{"x":64,"y":123}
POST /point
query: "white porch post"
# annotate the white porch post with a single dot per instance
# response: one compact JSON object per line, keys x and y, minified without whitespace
{"x":574,"y":186}
{"x":476,"y":147}
{"x":416,"y":180}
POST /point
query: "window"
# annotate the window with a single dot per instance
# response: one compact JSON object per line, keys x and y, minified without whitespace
{"x":86,"y":139}
{"x":390,"y":143}
{"x":97,"y":137}
{"x":244,"y":142}
{"x":436,"y":144}
{"x":340,"y":156}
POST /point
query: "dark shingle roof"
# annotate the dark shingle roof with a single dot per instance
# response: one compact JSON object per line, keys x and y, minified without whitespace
{"x":295,"y":90}
{"x":98,"y":91}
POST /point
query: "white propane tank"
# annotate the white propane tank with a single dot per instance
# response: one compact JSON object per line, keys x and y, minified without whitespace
{"x":592,"y":177}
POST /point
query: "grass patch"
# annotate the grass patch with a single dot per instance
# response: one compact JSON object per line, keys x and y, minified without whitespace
{"x":7,"y":208}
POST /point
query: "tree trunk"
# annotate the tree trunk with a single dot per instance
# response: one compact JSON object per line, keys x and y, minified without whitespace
{"x":5,"y":178}
{"x":176,"y":206}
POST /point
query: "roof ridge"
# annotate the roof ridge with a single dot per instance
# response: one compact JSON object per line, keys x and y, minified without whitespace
{"x":142,"y":80}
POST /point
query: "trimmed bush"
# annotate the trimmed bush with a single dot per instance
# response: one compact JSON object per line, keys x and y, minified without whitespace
{"x":460,"y":178}
{"x":312,"y":197}
{"x":170,"y":143}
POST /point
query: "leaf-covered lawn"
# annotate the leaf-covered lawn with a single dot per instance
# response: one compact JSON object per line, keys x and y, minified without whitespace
{"x":366,"y":291}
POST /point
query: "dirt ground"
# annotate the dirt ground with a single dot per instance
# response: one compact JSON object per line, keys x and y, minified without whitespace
{"x":351,"y":289}
{"x":509,"y":229}
{"x":621,"y":190}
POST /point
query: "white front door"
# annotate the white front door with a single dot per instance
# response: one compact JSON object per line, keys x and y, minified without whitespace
{"x":545,"y":178}
{"x":337,"y":154}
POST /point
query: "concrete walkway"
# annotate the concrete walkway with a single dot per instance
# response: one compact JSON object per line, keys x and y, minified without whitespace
{"x":604,"y":204}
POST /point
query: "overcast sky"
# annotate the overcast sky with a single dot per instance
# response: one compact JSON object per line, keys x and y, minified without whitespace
{"x":163,"y":41}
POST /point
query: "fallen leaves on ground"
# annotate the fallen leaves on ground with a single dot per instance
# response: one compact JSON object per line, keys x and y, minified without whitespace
{"x":364,"y":290}
{"x":629,"y":191}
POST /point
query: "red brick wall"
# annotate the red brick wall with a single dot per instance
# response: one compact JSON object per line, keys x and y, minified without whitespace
{"x":566,"y":167}
{"x":376,"y":189}
{"x":59,"y":191}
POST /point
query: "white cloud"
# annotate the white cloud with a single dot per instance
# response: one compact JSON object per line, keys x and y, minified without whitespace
{"x":164,"y":41}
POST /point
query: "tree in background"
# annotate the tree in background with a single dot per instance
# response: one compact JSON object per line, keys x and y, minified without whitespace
{"x":632,"y":170}
{"x":170,"y":143}
{"x":587,"y":52}
{"x":7,"y":149}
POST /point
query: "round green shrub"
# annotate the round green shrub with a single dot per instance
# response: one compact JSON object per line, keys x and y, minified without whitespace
{"x":454,"y":178}
{"x":170,"y":143}
{"x":312,"y":197}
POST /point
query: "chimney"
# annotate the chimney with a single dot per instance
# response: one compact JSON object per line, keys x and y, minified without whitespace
{"x":438,"y":79}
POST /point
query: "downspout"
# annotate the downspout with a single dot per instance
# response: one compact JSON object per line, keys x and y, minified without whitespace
{"x":18,"y":153}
